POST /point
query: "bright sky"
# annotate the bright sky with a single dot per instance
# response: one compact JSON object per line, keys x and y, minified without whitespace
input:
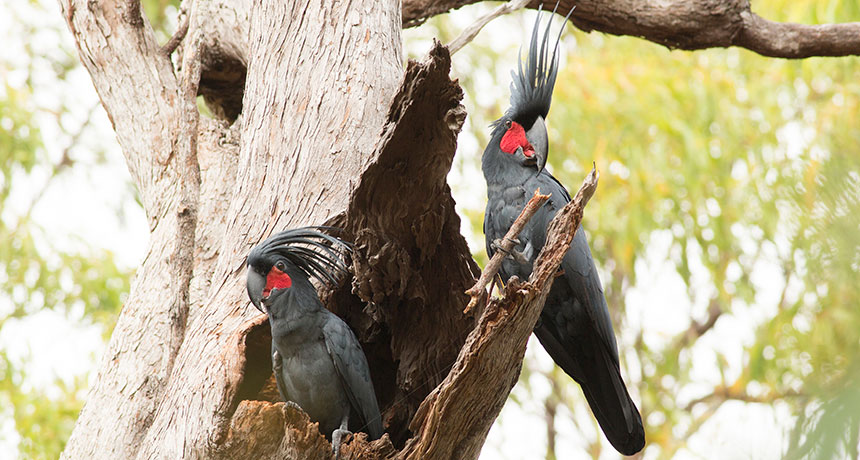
{"x":84,"y":205}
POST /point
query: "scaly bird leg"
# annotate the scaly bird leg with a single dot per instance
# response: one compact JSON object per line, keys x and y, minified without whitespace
{"x":338,"y":434}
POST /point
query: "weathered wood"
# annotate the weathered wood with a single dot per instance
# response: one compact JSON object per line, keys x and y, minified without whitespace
{"x":411,"y":264}
{"x":310,"y":123}
{"x":681,"y":24}
{"x":478,"y":291}
{"x":138,"y":89}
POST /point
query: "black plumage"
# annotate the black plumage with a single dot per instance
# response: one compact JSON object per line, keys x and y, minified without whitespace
{"x":574,"y":326}
{"x":317,"y":360}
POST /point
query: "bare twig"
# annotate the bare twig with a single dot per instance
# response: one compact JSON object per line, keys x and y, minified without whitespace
{"x":65,"y":162}
{"x":477,"y":291}
{"x":469,"y":33}
{"x":723,"y":393}
{"x":699,"y":328}
{"x":177,"y":37}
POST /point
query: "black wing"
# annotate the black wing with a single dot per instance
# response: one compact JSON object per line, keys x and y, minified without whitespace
{"x":351,"y":366}
{"x":576,"y":330}
{"x":579,"y":269}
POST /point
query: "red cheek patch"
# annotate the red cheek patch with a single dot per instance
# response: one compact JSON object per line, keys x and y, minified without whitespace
{"x":514,"y":138}
{"x":276,"y":279}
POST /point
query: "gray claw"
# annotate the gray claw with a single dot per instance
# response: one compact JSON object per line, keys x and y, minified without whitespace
{"x":515,"y":255}
{"x":276,"y":362}
{"x":336,"y":439}
{"x":293,"y":405}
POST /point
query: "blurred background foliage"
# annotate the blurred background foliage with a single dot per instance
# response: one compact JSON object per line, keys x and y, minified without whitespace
{"x":55,"y":287}
{"x":725,"y":228}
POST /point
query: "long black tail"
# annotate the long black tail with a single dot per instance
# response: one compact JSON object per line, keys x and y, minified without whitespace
{"x":588,"y":362}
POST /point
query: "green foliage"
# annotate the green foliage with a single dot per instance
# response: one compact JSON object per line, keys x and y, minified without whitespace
{"x":86,"y":287}
{"x":160,"y":14}
{"x":42,"y":422}
{"x":748,"y":161}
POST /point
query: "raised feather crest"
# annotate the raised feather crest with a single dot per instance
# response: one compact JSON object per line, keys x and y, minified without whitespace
{"x":532,"y":85}
{"x":316,"y":253}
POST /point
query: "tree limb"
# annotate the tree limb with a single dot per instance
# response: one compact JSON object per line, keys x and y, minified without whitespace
{"x":699,"y":328}
{"x":168,"y":48}
{"x":686,"y":24}
{"x":143,"y":110}
{"x":789,"y":40}
{"x":469,"y":33}
{"x":676,"y":24}
{"x":724,"y":393}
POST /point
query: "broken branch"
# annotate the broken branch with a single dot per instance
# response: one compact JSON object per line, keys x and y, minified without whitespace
{"x":477,"y":291}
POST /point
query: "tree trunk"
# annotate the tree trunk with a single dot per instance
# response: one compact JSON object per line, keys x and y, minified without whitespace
{"x":326,"y":138}
{"x":317,"y":124}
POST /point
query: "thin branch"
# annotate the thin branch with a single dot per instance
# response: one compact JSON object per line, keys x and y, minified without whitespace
{"x":724,"y":393}
{"x":469,"y":33}
{"x":65,"y":162}
{"x":699,"y":328}
{"x":560,"y":233}
{"x":177,"y":37}
{"x":478,"y":291}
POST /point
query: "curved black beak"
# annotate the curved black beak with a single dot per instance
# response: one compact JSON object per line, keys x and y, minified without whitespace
{"x":537,"y":137}
{"x":256,"y":283}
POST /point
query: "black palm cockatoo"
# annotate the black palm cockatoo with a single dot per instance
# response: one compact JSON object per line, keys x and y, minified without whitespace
{"x":574,"y":326}
{"x":317,"y":361}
